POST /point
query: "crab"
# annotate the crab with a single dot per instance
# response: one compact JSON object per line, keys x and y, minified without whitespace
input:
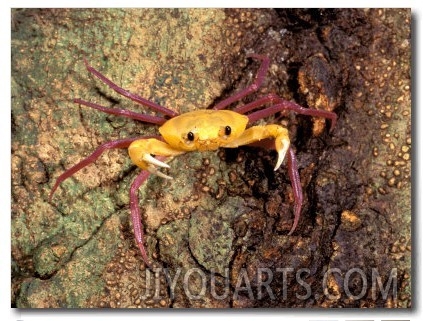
{"x":199,"y":130}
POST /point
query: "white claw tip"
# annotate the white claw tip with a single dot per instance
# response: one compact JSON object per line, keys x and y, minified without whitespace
{"x":151,"y":160}
{"x":163,"y":175}
{"x":278,"y":164}
{"x":281,"y":155}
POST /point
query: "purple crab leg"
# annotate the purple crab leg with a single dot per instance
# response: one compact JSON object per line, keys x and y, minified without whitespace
{"x":136,"y":215}
{"x":135,"y":212}
{"x":251,"y":88}
{"x":122,"y":112}
{"x":294,"y":176}
{"x":120,"y":143}
{"x":127,"y":94}
{"x":281,"y":105}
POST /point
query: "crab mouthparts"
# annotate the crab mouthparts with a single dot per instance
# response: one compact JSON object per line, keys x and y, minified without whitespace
{"x":207,"y":144}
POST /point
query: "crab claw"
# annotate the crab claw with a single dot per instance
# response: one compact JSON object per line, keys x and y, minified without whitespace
{"x":153,"y":163}
{"x":141,"y":152}
{"x":282,"y":146}
{"x":158,"y":173}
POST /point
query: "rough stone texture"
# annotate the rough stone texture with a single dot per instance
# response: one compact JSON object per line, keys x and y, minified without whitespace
{"x":218,"y":232}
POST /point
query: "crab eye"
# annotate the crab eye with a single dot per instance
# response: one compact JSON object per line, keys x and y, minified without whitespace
{"x":228,"y":130}
{"x":190,"y":136}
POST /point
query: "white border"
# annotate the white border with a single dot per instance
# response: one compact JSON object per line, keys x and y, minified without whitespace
{"x":271,"y":314}
{"x":214,"y":4}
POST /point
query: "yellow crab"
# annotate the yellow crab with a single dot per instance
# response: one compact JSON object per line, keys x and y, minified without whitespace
{"x":203,"y":130}
{"x":200,"y":130}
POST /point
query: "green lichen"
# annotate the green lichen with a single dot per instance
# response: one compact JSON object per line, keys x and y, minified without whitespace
{"x":211,"y":235}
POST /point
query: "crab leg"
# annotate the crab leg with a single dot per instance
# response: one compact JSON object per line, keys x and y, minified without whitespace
{"x":282,"y":146}
{"x":121,"y":143}
{"x":127,"y":94}
{"x":282,"y":104}
{"x":136,"y":215}
{"x":250,"y":89}
{"x":122,"y":112}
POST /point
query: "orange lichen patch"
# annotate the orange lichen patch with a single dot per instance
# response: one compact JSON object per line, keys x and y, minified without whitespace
{"x":350,"y":220}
